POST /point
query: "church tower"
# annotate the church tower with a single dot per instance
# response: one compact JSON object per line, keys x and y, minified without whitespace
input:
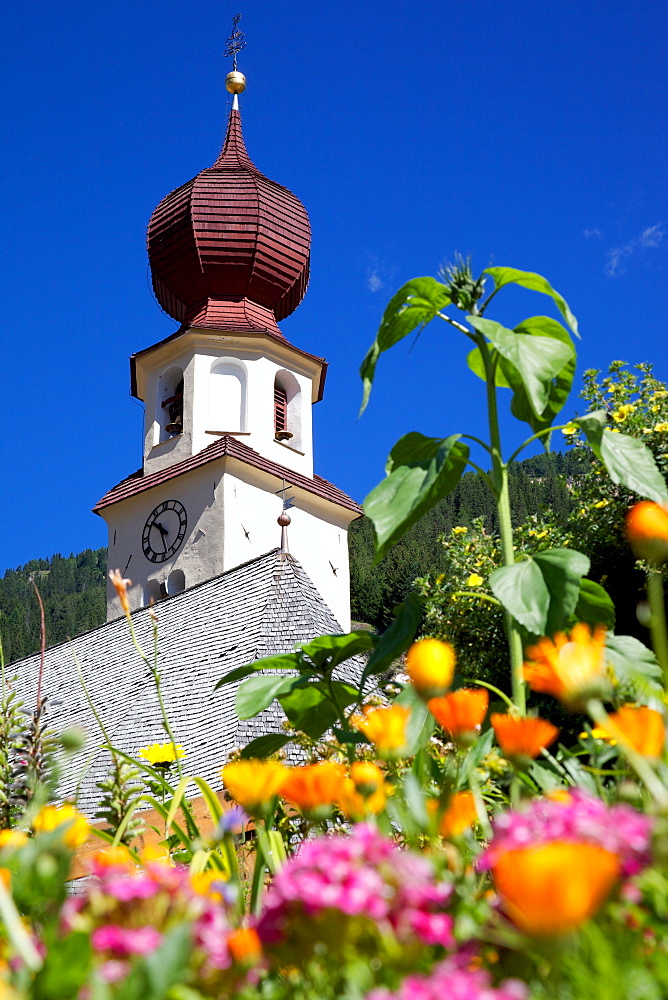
{"x":228,"y":442}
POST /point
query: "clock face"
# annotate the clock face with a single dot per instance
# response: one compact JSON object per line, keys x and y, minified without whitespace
{"x":164,"y":531}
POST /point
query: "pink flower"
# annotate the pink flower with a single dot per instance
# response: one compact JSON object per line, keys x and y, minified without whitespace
{"x":126,"y":889}
{"x":579,"y":818}
{"x":125,"y":941}
{"x":452,"y":980}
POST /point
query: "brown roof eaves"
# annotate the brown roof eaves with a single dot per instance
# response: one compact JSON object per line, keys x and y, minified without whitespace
{"x":227,"y":446}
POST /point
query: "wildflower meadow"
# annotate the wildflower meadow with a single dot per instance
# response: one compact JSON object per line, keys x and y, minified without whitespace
{"x":439,"y":837}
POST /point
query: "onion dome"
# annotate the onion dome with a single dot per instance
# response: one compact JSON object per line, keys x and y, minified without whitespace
{"x":230,"y":249}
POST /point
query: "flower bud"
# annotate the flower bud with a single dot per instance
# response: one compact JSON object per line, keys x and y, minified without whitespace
{"x":647,"y":531}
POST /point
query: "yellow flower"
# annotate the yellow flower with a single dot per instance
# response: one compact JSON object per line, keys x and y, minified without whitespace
{"x":459,"y":531}
{"x":622,"y":412}
{"x":162,"y":754}
{"x":209,"y":883}
{"x":121,"y":587}
{"x":541,"y":534}
{"x":430,"y":664}
{"x":474,"y":580}
{"x":569,"y":429}
{"x":601,"y":503}
{"x":75,"y":825}
{"x":440,"y":578}
{"x":661,"y":428}
{"x":551,"y":889}
{"x":570,"y":668}
{"x":384,"y":727}
{"x":12,"y":838}
{"x":254,"y":783}
{"x":364,"y":793}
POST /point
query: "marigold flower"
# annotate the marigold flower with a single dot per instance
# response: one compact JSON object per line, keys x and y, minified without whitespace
{"x":551,"y":889}
{"x":459,"y":814}
{"x":6,"y":877}
{"x":460,"y":713}
{"x":571,"y":668}
{"x":643,"y":728}
{"x":254,"y":783}
{"x":12,"y":838}
{"x":162,"y":755}
{"x":647,"y":531}
{"x":313,"y":786}
{"x":112,"y":857}
{"x":430,"y":664}
{"x":364,"y":792}
{"x":244,"y":946}
{"x":384,"y":727}
{"x":53,"y":817}
{"x":121,"y":588}
{"x":522,"y":737}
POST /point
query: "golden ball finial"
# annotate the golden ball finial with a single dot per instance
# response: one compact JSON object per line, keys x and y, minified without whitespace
{"x":235,"y":82}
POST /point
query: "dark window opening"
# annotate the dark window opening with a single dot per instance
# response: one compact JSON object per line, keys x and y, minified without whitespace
{"x":280,"y":412}
{"x":174,"y":406}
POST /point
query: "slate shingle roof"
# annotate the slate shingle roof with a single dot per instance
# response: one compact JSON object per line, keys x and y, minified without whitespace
{"x":227,"y":446}
{"x":258,"y":609}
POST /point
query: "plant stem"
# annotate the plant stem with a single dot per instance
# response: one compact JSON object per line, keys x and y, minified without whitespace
{"x":500,"y":471}
{"x":657,"y":621}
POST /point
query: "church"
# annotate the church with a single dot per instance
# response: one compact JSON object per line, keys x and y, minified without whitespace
{"x":230,"y":539}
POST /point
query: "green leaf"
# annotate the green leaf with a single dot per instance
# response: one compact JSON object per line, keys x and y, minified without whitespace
{"x":537,"y":283}
{"x":257,"y":693}
{"x":523,"y":593}
{"x":630,"y":463}
{"x":165,"y":965}
{"x":560,"y":386}
{"x":633,"y":662}
{"x":413,"y":306}
{"x":289,"y":661}
{"x":421,"y":471}
{"x":311,"y":709}
{"x":536,"y":359}
{"x":65,"y":969}
{"x":264,"y":746}
{"x":213,"y":802}
{"x":593,"y":425}
{"x":421,"y":723}
{"x":594,"y":605}
{"x":477,"y":366}
{"x":562,"y":571}
{"x":330,"y":650}
{"x":396,"y":639}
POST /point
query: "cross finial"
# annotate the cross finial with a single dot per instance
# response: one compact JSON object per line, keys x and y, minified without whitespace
{"x":235,"y":43}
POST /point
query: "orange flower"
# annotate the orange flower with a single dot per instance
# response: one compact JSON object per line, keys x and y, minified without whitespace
{"x":460,"y":713}
{"x":75,"y":826}
{"x":643,"y":728}
{"x":571,"y":668}
{"x":6,"y":878}
{"x":364,"y":792}
{"x":553,"y":888}
{"x":244,"y":945}
{"x":313,"y":786}
{"x":113,"y":857}
{"x":254,"y":783}
{"x":459,"y":814}
{"x":430,"y":664}
{"x":121,"y":588}
{"x":384,"y":727}
{"x":647,"y":531}
{"x":522,"y":737}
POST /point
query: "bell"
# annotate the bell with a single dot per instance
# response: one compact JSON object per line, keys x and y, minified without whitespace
{"x":174,"y":428}
{"x":283,"y":435}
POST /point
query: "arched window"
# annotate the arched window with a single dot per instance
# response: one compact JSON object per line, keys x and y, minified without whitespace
{"x":169,"y":405}
{"x":227,"y":397}
{"x":287,"y":409}
{"x":151,"y":594}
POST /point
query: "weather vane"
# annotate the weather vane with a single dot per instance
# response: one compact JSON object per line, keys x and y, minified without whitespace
{"x":235,"y":43}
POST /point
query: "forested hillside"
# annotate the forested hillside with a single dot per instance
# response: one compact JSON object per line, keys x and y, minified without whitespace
{"x":74,"y":592}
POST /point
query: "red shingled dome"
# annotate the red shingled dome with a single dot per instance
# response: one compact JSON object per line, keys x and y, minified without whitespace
{"x":230,"y":249}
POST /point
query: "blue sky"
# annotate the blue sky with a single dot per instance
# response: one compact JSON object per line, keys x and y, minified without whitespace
{"x":526,"y":134}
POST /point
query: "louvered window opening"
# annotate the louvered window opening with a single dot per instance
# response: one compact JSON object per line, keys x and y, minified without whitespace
{"x":280,"y":409}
